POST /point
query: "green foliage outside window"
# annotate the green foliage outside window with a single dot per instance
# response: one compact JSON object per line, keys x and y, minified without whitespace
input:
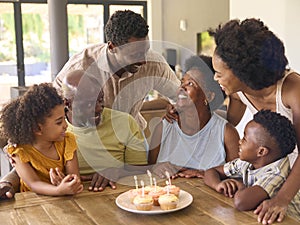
{"x":75,"y":25}
{"x":34,"y":42}
{"x":76,"y":29}
{"x":7,"y":38}
{"x":35,"y":36}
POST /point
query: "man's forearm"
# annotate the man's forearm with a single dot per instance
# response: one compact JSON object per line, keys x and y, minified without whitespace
{"x":13,"y":178}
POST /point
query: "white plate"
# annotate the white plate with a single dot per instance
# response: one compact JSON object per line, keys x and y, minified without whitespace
{"x":123,"y":202}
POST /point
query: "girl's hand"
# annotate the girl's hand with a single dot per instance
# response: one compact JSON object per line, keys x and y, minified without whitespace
{"x":70,"y":185}
{"x":56,"y":176}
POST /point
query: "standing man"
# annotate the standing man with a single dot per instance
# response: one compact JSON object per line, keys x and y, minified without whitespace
{"x":125,"y":66}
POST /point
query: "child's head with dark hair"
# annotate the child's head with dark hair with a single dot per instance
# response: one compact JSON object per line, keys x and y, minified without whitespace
{"x":279,"y":128}
{"x":21,"y":117}
{"x":123,"y":25}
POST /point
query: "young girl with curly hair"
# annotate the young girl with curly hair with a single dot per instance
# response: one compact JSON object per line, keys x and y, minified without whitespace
{"x":35,"y":127}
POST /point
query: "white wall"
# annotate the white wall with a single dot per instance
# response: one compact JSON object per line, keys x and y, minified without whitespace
{"x":164,"y":17}
{"x":281,"y":16}
{"x":155,"y":19}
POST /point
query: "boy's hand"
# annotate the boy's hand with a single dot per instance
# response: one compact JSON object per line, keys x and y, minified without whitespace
{"x":229,"y":187}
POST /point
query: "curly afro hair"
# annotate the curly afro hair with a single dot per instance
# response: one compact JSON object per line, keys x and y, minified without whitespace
{"x":123,"y":25}
{"x":280,"y":128}
{"x":19,"y":119}
{"x":253,"y":53}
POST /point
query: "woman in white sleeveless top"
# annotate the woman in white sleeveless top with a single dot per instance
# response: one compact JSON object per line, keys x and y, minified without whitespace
{"x":251,"y":67}
{"x":199,"y":139}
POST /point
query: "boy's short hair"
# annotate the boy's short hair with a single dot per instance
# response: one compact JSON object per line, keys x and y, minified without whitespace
{"x":280,"y":128}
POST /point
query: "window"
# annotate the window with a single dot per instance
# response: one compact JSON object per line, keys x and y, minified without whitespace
{"x":85,"y":26}
{"x":8,"y":61}
{"x":205,"y":43}
{"x":135,"y":8}
{"x":25,"y":57}
{"x":36,"y":39}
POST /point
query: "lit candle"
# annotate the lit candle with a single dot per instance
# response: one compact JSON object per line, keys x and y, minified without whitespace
{"x":168,"y":177}
{"x":136,"y":182}
{"x":154,"y":181}
{"x":143,"y":188}
{"x":150,"y":177}
{"x":168,"y":187}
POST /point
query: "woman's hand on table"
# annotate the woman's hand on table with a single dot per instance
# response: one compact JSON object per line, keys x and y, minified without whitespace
{"x":190,"y":173}
{"x":271,"y":210}
{"x":160,"y":170}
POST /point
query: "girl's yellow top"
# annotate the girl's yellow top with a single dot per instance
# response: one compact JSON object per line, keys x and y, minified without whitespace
{"x":42,"y":164}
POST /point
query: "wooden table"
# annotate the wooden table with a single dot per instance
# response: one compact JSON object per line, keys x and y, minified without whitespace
{"x":87,"y":208}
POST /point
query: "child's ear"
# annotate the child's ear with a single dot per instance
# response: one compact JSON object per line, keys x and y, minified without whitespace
{"x":262,"y":151}
{"x":38,"y":131}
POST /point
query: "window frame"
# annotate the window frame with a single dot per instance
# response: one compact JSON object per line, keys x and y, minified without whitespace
{"x":19,"y":31}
